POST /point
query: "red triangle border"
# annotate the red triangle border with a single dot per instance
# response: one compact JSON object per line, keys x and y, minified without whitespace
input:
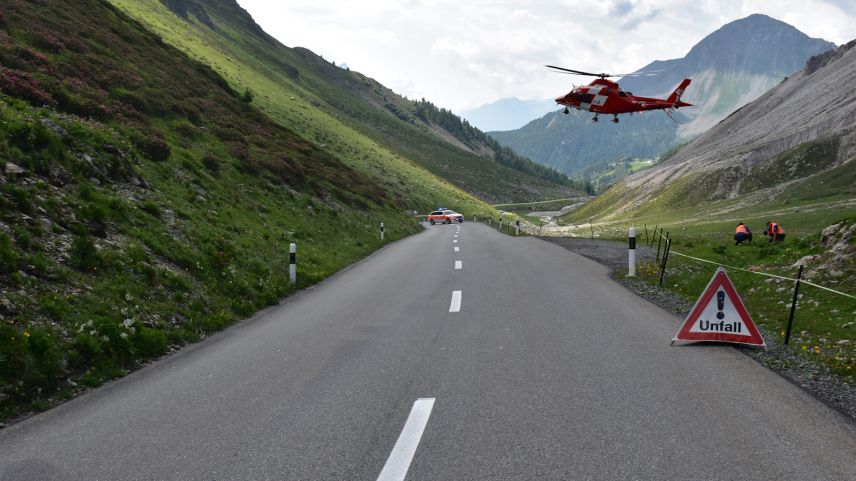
{"x":720,"y":279}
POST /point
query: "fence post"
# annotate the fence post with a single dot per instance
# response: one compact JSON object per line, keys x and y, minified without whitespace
{"x":631,"y":268}
{"x":381,"y":231}
{"x":292,"y":263}
{"x":591,"y":227}
{"x":517,"y":227}
{"x":500,"y":223}
{"x":793,"y":307}
{"x":646,"y":234}
{"x":659,"y":241}
{"x":653,"y":235}
{"x":665,"y":259}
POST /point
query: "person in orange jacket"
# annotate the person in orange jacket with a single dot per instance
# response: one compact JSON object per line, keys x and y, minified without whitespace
{"x":775,"y":231}
{"x":742,"y":234}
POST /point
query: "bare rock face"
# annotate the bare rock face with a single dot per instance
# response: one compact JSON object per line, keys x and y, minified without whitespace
{"x":828,"y":236}
{"x":12,"y":169}
{"x":817,"y":62}
{"x":836,"y":264}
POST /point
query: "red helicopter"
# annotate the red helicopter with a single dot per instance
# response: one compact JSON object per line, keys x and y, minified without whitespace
{"x":605,"y":96}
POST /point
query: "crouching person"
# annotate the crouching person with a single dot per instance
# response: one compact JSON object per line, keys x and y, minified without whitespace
{"x":742,"y":234}
{"x":775,"y":231}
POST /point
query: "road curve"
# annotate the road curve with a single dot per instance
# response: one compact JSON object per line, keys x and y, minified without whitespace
{"x":547,"y":369}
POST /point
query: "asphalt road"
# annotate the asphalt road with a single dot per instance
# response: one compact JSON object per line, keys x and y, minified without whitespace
{"x":548,"y":370}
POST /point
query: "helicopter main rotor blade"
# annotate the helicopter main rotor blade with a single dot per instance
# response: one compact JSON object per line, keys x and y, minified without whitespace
{"x":650,"y":73}
{"x":579,"y":72}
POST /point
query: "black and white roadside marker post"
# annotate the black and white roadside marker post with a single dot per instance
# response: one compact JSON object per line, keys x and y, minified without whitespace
{"x":490,"y":221}
{"x":474,"y":218}
{"x":292,"y":263}
{"x":631,"y":272}
{"x":381,"y":231}
{"x":517,"y":227}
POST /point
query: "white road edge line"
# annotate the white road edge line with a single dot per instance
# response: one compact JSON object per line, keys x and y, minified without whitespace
{"x":402,"y":453}
{"x":456,"y":302}
{"x":459,"y":265}
{"x":457,"y":249}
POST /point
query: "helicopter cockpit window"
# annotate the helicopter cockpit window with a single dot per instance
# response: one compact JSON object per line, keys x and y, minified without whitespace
{"x":622,"y":93}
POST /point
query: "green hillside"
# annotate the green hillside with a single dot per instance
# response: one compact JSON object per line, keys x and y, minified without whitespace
{"x":365,"y":124}
{"x":572,"y":143}
{"x":145,"y":202}
{"x":822,"y":197}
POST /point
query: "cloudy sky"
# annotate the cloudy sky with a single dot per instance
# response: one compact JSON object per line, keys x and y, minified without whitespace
{"x":461,"y":54}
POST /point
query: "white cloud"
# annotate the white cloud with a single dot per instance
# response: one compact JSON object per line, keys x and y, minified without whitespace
{"x":462,"y":54}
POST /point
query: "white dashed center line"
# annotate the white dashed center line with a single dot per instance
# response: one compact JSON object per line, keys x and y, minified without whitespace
{"x":457,"y":249}
{"x":459,"y":265}
{"x":402,"y":453}
{"x":456,"y":302}
{"x":455,"y":241}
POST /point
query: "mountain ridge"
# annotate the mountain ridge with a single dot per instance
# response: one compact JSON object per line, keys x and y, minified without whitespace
{"x":790,"y":146}
{"x":715,"y":92}
{"x":508,"y":113}
{"x":463,"y":156}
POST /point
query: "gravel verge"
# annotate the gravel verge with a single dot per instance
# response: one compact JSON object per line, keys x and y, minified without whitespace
{"x":812,"y":377}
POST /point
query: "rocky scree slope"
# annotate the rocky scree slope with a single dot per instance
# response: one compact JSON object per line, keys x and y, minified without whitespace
{"x":795,"y":144}
{"x":817,"y":104}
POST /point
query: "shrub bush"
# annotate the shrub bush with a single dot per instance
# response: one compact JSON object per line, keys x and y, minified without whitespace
{"x":153,"y":146}
{"x":85,"y":350}
{"x":150,"y":343}
{"x":32,"y":364}
{"x":84,"y":256}
{"x":47,"y":360}
{"x":8,"y":259}
{"x":212,"y":163}
{"x":151,"y":208}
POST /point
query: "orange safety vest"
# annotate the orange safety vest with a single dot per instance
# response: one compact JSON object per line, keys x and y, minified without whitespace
{"x":741,"y":229}
{"x":775,"y":229}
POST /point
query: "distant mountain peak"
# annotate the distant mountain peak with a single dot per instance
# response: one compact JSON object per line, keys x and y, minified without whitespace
{"x":732,"y":66}
{"x":755,"y":44}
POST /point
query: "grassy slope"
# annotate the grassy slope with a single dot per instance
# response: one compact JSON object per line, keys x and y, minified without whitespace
{"x":824,"y":330}
{"x":156,"y":206}
{"x":346,"y":112}
{"x":820,"y":193}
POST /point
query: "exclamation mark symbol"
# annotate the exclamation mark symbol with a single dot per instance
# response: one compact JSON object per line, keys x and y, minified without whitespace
{"x":720,"y":304}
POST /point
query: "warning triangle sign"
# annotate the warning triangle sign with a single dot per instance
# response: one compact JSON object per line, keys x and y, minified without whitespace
{"x":719,"y":315}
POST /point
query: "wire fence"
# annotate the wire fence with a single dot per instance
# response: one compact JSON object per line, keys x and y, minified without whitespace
{"x":665,"y":241}
{"x":765,"y":274}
